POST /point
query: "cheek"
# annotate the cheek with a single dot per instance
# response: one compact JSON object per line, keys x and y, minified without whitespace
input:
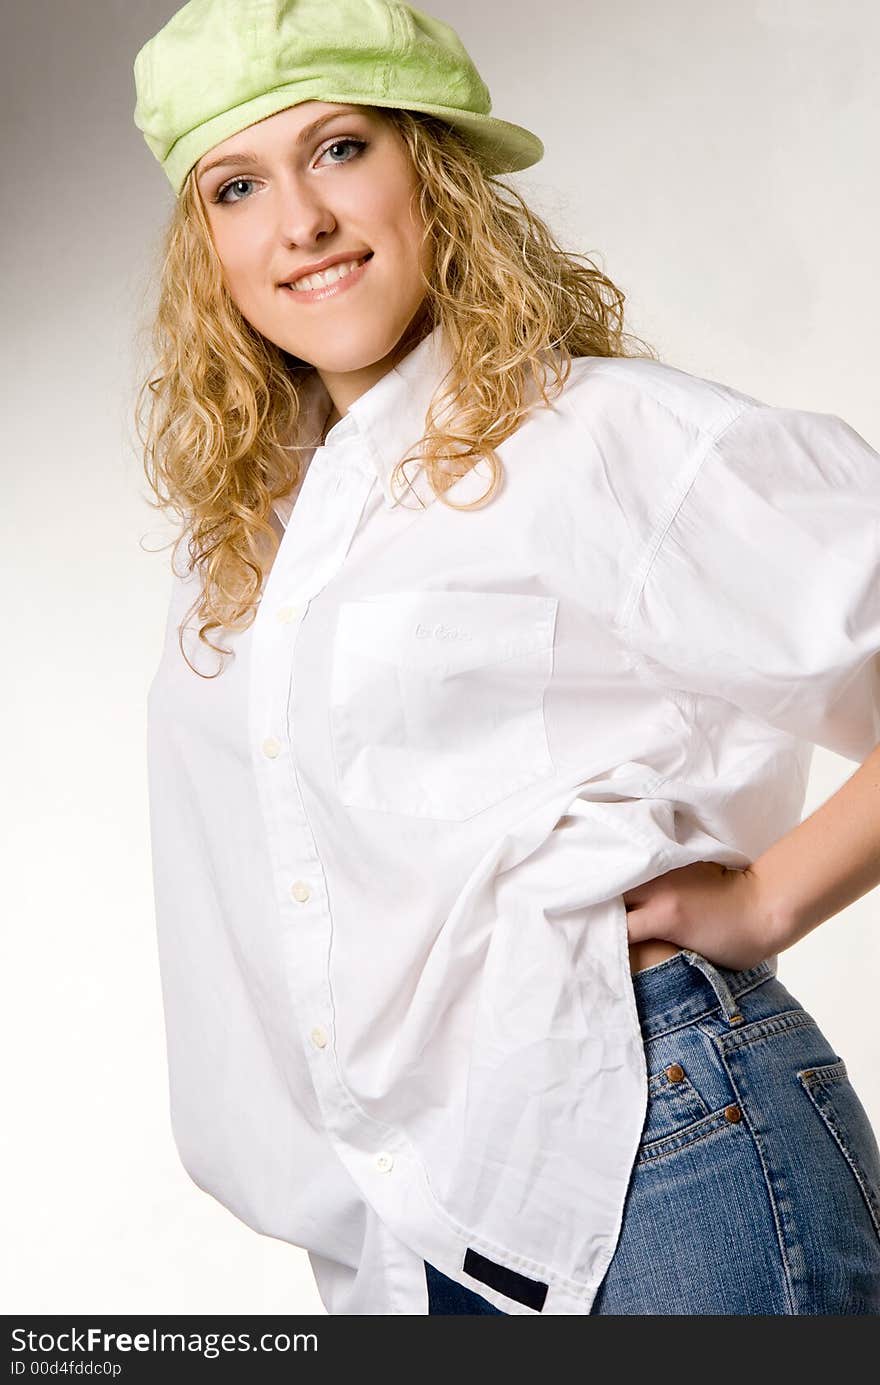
{"x":411,"y":249}
{"x":413,"y":230}
{"x":387,"y":201}
{"x":238,"y":249}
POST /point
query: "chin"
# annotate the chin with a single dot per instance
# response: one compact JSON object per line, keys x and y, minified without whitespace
{"x":355,"y":348}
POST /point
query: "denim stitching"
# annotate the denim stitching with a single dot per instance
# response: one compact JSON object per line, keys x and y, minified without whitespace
{"x":779,"y":1023}
{"x":719,"y":1121}
{"x":722,"y":1043}
{"x":677,"y":1017}
{"x":826,"y":1076}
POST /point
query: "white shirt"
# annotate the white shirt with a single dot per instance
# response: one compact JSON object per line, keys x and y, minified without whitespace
{"x":391,"y":838}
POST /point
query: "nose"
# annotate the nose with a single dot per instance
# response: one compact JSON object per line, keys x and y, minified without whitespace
{"x":303,"y":216}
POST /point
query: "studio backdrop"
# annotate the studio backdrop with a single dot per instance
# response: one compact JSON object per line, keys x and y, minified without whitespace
{"x":717,"y":161}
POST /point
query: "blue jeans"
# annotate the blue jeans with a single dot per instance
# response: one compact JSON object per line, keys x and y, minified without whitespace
{"x":756,"y":1185}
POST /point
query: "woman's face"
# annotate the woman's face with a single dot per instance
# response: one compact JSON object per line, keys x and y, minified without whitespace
{"x":287,"y":196}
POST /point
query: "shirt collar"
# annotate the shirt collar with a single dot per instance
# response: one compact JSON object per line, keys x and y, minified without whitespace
{"x":388,"y":419}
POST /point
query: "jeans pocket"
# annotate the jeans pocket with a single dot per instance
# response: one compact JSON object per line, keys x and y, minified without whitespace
{"x":689,"y":1095}
{"x":846,"y":1121}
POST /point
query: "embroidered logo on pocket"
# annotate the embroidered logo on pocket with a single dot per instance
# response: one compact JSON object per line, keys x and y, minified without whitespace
{"x":442,"y":632}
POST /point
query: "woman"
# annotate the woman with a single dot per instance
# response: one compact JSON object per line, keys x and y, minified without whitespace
{"x":477,"y":837}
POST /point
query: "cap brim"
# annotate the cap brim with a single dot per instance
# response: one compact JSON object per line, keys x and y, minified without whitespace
{"x":504,"y":148}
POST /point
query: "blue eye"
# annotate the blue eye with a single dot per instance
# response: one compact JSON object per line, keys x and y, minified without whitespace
{"x":356,"y":144}
{"x":234,"y":182}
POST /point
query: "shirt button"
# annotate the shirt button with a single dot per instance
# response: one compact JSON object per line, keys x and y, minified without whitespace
{"x":285,"y":614}
{"x":319,"y":1037}
{"x":300,"y":891}
{"x":675,"y":1072}
{"x":271,"y":747}
{"x":384,"y":1162}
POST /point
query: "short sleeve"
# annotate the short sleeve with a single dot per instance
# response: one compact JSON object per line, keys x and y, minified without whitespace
{"x":761,"y":585}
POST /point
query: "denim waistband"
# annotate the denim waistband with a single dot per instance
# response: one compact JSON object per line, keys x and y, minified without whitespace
{"x":686,"y":986}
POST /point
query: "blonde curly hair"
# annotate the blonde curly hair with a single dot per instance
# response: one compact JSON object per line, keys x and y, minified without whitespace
{"x":220,"y":406}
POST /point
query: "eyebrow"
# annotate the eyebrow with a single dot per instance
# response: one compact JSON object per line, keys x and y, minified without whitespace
{"x":248,"y":157}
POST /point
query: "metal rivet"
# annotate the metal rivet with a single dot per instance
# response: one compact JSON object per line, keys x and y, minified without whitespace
{"x":675,"y":1072}
{"x":733,"y":1114}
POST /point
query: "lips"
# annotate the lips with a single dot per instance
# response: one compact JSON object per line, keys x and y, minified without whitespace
{"x":327,"y":293}
{"x":324,"y":278}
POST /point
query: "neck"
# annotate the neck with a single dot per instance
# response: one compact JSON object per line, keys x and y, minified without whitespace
{"x":345,"y":388}
{"x":333,"y":417}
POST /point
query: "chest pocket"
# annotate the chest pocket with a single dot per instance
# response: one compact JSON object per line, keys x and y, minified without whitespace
{"x":436,"y":700}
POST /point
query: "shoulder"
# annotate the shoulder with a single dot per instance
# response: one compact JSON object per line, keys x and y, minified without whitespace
{"x":652,"y":394}
{"x":641,"y":398}
{"x":636,"y":430}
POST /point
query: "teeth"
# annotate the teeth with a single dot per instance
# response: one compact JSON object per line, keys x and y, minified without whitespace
{"x":326,"y":276}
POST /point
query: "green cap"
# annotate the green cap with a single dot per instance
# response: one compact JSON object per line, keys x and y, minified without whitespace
{"x":220,"y":65}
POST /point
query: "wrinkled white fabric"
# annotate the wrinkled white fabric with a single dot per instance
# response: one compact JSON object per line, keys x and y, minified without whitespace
{"x":391,"y":838}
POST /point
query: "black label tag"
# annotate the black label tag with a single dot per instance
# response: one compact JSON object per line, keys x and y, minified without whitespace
{"x":531,"y":1292}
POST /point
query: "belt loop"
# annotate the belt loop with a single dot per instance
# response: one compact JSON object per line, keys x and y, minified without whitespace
{"x":718,"y":984}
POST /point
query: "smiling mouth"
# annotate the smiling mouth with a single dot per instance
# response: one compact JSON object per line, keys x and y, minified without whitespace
{"x":327,"y":278}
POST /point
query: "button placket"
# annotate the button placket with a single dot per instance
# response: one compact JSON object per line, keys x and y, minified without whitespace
{"x":285,"y":615}
{"x":328,"y":515}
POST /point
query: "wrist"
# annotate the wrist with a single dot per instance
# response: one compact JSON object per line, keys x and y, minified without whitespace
{"x":771,"y":909}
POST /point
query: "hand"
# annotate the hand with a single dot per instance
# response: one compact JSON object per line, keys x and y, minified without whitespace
{"x":711,"y":909}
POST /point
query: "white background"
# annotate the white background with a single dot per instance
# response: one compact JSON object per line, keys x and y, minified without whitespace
{"x":718,"y":159}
